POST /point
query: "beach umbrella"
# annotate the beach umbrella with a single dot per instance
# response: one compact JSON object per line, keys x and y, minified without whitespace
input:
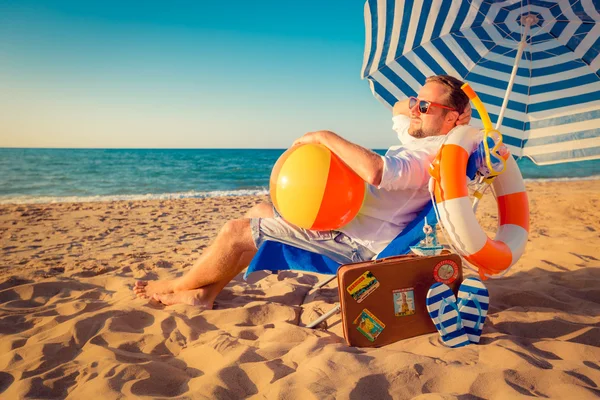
{"x":535,"y":65}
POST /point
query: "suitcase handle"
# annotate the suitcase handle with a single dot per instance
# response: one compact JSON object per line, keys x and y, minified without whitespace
{"x":408,"y":257}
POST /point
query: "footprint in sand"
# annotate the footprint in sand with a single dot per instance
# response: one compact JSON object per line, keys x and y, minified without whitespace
{"x":164,"y":264}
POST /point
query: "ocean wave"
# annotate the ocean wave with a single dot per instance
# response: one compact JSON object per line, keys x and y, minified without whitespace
{"x":20,"y":199}
{"x":579,"y":178}
{"x":129,"y":197}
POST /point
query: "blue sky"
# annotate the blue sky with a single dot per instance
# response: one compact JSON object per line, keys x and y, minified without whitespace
{"x":181,"y":74}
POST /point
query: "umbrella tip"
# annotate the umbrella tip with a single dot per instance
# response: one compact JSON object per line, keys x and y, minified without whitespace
{"x":529,"y":19}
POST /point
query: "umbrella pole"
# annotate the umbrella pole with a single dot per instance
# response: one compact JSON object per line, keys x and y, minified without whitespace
{"x":528,"y":20}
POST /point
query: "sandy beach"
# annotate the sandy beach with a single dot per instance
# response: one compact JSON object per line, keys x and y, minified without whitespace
{"x":70,"y":325}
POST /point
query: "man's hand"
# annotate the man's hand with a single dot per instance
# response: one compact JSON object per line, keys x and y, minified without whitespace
{"x":465,"y":117}
{"x":311,"y":137}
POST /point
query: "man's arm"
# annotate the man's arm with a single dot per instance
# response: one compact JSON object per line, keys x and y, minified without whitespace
{"x":366,"y":163}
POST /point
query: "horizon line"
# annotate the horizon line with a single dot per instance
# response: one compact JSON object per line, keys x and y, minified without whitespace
{"x":151,"y":148}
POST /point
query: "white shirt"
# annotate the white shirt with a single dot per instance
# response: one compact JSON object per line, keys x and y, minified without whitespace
{"x":402,"y":193}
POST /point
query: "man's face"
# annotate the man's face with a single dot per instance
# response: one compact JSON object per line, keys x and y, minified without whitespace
{"x":433,"y":123}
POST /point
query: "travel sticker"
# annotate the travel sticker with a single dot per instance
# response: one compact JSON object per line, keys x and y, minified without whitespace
{"x":445,"y":271}
{"x":404,"y":302}
{"x":369,"y":325}
{"x":363,"y":286}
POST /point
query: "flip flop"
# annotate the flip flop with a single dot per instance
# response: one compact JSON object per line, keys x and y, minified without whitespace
{"x":443,"y":310}
{"x":473,"y":302}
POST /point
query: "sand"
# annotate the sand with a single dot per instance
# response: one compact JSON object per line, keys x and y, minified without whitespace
{"x":70,"y":325}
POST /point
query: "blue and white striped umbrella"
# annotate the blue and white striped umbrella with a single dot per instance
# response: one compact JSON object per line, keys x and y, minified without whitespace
{"x":535,"y":65}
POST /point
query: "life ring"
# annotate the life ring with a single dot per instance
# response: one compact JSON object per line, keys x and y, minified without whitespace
{"x":449,"y":186}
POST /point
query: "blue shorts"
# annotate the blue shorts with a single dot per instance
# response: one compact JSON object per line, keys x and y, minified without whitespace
{"x":334,"y":244}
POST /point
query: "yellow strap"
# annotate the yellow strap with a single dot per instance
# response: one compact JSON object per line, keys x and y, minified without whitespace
{"x":488,"y":130}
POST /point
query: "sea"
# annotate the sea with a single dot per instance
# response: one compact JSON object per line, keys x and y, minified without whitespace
{"x":83,"y":175}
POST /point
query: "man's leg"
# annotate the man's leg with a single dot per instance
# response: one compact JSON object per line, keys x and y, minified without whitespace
{"x":205,"y":296}
{"x":147,"y":289}
{"x":222,"y":261}
{"x":261,"y":210}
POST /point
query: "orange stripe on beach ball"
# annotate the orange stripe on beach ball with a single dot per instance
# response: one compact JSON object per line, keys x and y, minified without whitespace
{"x":514,"y":209}
{"x":343,"y":196}
{"x":313,"y":189}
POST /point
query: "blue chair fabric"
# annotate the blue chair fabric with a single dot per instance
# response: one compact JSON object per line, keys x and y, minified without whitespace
{"x":275,"y":256}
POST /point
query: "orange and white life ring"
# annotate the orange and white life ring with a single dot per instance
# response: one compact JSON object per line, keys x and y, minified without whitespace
{"x":491,"y":256}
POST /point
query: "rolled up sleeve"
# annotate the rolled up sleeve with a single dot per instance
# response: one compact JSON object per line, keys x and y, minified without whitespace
{"x":406,"y":167}
{"x":404,"y":170}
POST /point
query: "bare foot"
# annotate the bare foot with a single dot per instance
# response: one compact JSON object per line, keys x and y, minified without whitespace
{"x":198,"y":297}
{"x":147,"y":289}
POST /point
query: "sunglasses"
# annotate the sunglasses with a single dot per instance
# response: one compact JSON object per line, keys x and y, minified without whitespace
{"x":424,"y":105}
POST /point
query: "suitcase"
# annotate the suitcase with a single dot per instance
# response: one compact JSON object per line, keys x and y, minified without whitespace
{"x":383,"y":301}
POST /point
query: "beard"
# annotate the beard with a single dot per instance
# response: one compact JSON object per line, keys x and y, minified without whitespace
{"x":417,"y":133}
{"x":420,"y":133}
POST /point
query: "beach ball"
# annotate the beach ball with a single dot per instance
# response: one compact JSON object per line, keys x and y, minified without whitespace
{"x":314,"y":189}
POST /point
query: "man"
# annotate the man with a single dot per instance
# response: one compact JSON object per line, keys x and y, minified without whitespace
{"x":397,"y":191}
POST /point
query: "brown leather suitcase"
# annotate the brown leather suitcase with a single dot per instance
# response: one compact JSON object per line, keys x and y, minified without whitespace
{"x":383,"y":301}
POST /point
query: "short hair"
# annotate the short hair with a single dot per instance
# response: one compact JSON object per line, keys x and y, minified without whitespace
{"x":455,"y":98}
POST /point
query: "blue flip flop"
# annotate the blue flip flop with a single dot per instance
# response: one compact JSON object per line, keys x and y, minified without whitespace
{"x":443,"y":310}
{"x":473,"y":302}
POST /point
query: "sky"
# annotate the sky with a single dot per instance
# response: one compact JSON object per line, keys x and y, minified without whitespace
{"x":184,"y":74}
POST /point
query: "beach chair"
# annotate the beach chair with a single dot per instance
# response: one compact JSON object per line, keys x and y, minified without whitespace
{"x":275,"y":256}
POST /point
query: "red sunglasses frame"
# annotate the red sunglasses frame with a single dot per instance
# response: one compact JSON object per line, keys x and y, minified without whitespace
{"x":429,"y":104}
